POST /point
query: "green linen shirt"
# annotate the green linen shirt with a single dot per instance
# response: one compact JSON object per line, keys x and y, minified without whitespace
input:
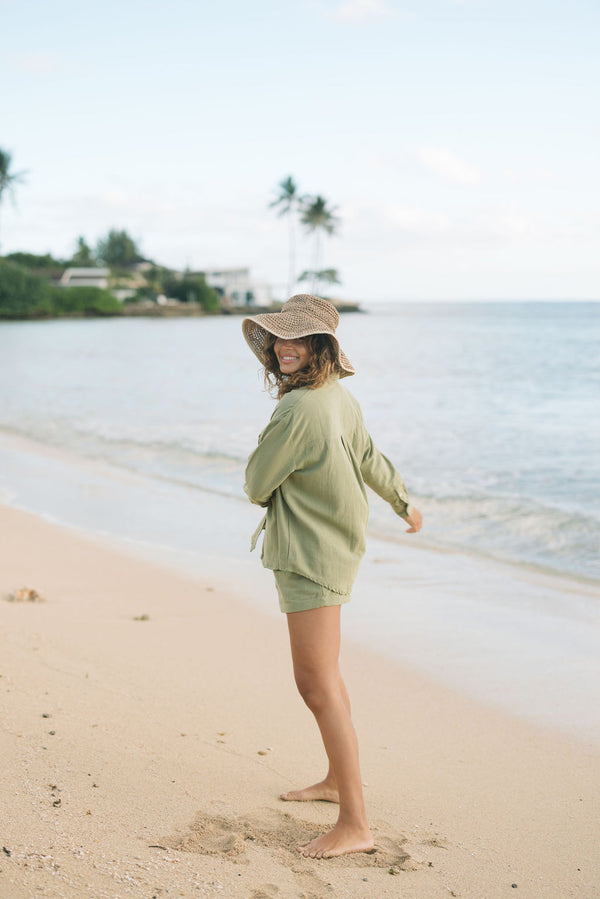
{"x":310,"y":469}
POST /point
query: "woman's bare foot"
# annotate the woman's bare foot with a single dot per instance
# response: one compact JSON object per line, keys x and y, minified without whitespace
{"x":339,"y":841}
{"x":323,"y":791}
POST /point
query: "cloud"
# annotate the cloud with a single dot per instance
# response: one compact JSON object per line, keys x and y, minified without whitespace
{"x":402,"y":224}
{"x":417,"y":222}
{"x":359,"y":12}
{"x":37,"y":63}
{"x":444,"y":163}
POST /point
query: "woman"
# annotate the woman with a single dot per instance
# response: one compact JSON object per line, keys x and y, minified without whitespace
{"x":309,"y":470}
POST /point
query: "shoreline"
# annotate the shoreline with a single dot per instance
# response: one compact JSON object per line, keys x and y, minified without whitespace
{"x":176,"y":310}
{"x":571,"y":581}
{"x":168,"y":738}
{"x":511,"y":638}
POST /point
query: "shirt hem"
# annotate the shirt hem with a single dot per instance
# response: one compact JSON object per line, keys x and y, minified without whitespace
{"x":338,"y":590}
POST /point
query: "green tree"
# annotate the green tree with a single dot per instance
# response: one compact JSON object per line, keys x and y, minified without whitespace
{"x":83,"y":255}
{"x":23,"y":294}
{"x":8,"y":179}
{"x":318,"y":220}
{"x":156,"y":278}
{"x":26,"y":295}
{"x":84,"y":301}
{"x":192,"y":289}
{"x":36,"y":262}
{"x":118,"y":248}
{"x":288,"y":201}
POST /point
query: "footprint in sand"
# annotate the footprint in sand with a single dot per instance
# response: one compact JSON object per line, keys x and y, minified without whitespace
{"x":275,"y":830}
{"x":312,"y":886}
{"x":212,"y":836}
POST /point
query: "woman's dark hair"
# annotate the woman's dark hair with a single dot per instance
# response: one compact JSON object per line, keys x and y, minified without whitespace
{"x":321,"y":366}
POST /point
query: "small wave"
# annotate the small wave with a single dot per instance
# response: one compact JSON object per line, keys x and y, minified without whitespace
{"x":159,"y":446}
{"x":215,"y":473}
{"x":510,"y":529}
{"x":91,"y":443}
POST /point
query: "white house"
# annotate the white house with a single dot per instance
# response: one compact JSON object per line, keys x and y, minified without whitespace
{"x":236,"y":285}
{"x":85,"y":277}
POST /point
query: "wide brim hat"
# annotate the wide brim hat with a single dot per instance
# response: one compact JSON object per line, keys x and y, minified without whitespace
{"x":302,"y":315}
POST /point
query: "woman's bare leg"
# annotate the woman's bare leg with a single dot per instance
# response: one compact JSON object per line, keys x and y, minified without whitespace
{"x":325,"y":790}
{"x":315,"y":644}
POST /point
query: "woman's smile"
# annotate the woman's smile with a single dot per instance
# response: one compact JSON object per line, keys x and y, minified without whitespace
{"x":292,"y":355}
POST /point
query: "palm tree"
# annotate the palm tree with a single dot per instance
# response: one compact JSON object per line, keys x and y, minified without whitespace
{"x":8,"y":179}
{"x":83,"y":255}
{"x":328,"y":275}
{"x":317,"y":218}
{"x":288,"y":201}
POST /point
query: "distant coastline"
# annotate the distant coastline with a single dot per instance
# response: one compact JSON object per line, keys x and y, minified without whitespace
{"x":191,"y":310}
{"x":34,"y":288}
{"x":171,"y":310}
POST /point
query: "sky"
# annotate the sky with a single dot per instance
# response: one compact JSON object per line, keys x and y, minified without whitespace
{"x":457,"y":140}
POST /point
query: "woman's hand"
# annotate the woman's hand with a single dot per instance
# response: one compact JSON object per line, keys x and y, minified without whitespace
{"x":415,"y":520}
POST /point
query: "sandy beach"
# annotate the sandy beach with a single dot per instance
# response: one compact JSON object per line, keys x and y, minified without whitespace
{"x":150,"y":721}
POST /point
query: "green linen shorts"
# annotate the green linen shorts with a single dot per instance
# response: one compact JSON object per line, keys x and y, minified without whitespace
{"x":298,"y":593}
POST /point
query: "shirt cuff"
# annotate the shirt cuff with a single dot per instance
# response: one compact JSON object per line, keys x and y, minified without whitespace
{"x":401,"y":504}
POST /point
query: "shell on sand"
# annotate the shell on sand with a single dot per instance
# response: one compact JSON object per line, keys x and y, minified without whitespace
{"x":25,"y":594}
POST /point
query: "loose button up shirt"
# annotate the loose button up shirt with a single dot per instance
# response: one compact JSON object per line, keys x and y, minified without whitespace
{"x":310,"y":469}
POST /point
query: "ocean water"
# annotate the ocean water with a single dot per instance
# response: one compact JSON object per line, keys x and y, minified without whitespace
{"x":136,"y":431}
{"x":490,"y":411}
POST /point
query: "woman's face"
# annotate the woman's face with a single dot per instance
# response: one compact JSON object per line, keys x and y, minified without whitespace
{"x":292,"y":355}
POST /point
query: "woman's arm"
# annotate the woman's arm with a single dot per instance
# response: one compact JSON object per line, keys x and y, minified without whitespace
{"x":379,"y":474}
{"x":273,"y":460}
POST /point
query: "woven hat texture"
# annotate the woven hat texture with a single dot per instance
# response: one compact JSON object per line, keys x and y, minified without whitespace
{"x":302,"y":315}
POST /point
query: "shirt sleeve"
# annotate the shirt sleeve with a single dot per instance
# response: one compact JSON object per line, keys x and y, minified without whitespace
{"x":379,"y":474}
{"x":273,"y":460}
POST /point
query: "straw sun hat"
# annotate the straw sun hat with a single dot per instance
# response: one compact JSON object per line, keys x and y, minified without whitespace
{"x":302,"y":315}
